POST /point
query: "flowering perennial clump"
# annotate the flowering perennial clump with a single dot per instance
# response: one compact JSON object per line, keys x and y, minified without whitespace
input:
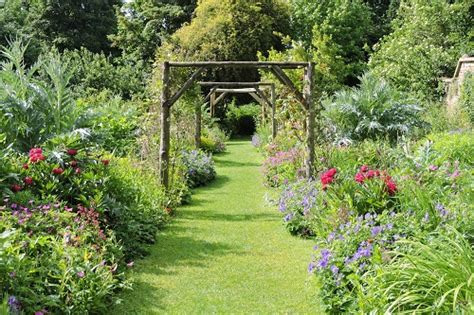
{"x":366,"y":174}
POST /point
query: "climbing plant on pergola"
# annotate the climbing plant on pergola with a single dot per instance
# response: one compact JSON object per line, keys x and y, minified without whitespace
{"x":305,"y":97}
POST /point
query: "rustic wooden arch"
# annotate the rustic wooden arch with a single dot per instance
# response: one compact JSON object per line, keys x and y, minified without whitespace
{"x":254,"y":89}
{"x":305,"y":97}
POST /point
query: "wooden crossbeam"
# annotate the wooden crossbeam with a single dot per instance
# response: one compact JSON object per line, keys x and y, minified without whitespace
{"x":278,"y":72}
{"x":185,"y":86}
{"x":235,"y":84}
{"x":246,"y":64}
{"x":239,"y":91}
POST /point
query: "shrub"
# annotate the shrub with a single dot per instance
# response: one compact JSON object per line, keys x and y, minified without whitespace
{"x":113,"y":123}
{"x":348,"y":258}
{"x":199,"y":168}
{"x":213,"y":140}
{"x":296,"y":202}
{"x":54,"y":259}
{"x":283,"y":166}
{"x":433,"y":276}
{"x":241,"y":120}
{"x":374,"y":110}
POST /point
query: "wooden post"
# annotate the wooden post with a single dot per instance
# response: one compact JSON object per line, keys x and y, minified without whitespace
{"x":197,"y":135}
{"x":273,"y":100}
{"x":212,"y":102}
{"x":310,"y":119}
{"x":165,"y":127}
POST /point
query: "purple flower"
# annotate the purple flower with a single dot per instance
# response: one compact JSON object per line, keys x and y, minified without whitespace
{"x":376,"y":230}
{"x":311,"y":267}
{"x":81,"y":274}
{"x":324,"y":261}
{"x":288,"y":217}
{"x":331,"y":237}
{"x":426,"y":218}
{"x":12,"y":274}
{"x":14,"y":304}
{"x":334,"y":269}
{"x":442,"y":210}
{"x":389,"y":226}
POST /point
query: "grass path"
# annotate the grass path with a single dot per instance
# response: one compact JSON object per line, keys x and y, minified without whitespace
{"x":226,"y":252}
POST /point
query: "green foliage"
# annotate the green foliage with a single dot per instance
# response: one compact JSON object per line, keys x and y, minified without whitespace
{"x":324,"y":26}
{"x":65,"y":24}
{"x":466,"y":100}
{"x":429,"y":276}
{"x":453,"y":146}
{"x":229,"y":30}
{"x":144,"y":24}
{"x":33,"y":110}
{"x":428,"y":38}
{"x":374,"y":110}
{"x":56,"y":260}
{"x":241,"y":120}
{"x":113,"y":123}
{"x":94,"y":72}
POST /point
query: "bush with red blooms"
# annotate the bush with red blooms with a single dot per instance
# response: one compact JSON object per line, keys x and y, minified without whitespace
{"x":328,"y":177}
{"x":366,"y":174}
{"x":71,"y":175}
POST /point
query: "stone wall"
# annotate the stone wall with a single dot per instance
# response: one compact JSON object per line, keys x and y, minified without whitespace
{"x":465,"y":65}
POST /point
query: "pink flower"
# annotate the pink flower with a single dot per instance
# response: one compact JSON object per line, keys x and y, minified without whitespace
{"x":58,"y":171}
{"x":26,"y":166}
{"x":77,"y":171}
{"x":36,"y":155}
{"x":328,"y":177}
{"x":73,"y":163}
{"x":130,"y":264}
{"x":364,"y":168}
{"x":81,"y":274}
{"x":370,"y":174}
{"x":359,"y":177}
{"x":433,"y":168}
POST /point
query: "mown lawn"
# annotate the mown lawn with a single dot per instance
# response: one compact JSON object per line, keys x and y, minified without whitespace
{"x":226,"y":252}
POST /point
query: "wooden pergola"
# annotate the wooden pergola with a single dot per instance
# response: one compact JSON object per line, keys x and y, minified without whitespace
{"x":305,"y":97}
{"x":219,"y":90}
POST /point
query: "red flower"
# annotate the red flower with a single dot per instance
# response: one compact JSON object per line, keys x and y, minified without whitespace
{"x":71,"y":152}
{"x":77,"y":171}
{"x":26,"y":166}
{"x":359,"y":177}
{"x":73,"y":163}
{"x":15,"y":188}
{"x":364,"y":168}
{"x":28,"y":180}
{"x":328,"y":177}
{"x":370,"y":174}
{"x":36,"y":155}
{"x":391,"y":187}
{"x":105,"y":162}
{"x":331,"y":172}
{"x":58,"y":171}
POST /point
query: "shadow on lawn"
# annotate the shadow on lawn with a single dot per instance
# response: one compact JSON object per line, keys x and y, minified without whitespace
{"x":220,"y":216}
{"x":171,"y":251}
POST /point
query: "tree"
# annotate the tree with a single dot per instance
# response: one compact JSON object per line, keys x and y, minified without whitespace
{"x":230,"y":30}
{"x":428,"y":38}
{"x":65,"y":24}
{"x":144,"y":24}
{"x":338,"y":31}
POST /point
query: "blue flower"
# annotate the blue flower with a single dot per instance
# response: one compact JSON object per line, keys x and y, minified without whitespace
{"x":376,"y":230}
{"x":311,"y":267}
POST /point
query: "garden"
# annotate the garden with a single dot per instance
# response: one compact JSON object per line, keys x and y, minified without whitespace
{"x":376,"y":218}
